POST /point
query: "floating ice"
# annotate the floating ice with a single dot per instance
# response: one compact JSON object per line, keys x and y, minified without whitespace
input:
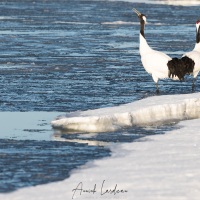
{"x":157,"y":109}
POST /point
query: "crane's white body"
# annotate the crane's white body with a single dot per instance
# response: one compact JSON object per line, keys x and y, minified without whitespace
{"x":195,"y":56}
{"x":154,"y":62}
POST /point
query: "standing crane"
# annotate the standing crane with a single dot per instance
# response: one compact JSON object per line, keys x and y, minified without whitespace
{"x":190,"y":61}
{"x":154,"y":62}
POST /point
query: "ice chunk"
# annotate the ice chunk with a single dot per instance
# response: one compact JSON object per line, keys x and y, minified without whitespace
{"x":157,"y":109}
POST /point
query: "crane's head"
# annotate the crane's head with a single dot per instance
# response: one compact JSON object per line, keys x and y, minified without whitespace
{"x":141,"y":16}
{"x":198,"y":31}
{"x":198,"y":24}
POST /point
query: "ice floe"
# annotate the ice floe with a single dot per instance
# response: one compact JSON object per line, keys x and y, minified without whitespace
{"x":156,"y":109}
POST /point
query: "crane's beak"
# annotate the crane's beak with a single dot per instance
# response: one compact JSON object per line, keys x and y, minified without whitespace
{"x":137,"y":12}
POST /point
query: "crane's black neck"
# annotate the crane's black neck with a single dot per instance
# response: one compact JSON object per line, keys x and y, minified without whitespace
{"x":142,"y":28}
{"x":142,"y":24}
{"x":198,"y":35}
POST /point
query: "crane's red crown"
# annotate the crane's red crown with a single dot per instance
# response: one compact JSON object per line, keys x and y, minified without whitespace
{"x":198,"y":21}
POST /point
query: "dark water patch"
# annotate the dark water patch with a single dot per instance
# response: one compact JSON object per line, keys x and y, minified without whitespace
{"x":35,"y":130}
{"x":27,"y":163}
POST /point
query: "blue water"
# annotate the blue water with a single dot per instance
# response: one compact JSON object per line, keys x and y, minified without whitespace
{"x":61,"y":56}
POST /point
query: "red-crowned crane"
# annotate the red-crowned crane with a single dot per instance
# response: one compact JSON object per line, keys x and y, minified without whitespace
{"x":154,"y":62}
{"x":190,"y":61}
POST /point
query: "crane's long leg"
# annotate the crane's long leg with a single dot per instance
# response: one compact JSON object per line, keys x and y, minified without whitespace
{"x":157,"y":89}
{"x":193,"y":84}
{"x":155,"y":78}
{"x":194,"y":80}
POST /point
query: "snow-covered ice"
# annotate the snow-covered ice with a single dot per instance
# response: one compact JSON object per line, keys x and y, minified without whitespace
{"x":157,"y":109}
{"x":158,"y":167}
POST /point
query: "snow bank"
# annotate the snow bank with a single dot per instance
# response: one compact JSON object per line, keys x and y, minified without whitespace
{"x":157,"y":109}
{"x":158,"y":167}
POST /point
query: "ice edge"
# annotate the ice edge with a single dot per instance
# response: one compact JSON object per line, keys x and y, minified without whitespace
{"x":143,"y":112}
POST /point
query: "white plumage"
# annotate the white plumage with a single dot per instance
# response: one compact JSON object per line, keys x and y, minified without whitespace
{"x":189,"y":63}
{"x":154,"y":62}
{"x":195,"y":53}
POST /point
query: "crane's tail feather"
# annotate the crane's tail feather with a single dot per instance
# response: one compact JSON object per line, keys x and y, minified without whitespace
{"x":180,"y":67}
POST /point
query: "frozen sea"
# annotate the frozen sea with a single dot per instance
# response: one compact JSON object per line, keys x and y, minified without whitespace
{"x":63,"y":56}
